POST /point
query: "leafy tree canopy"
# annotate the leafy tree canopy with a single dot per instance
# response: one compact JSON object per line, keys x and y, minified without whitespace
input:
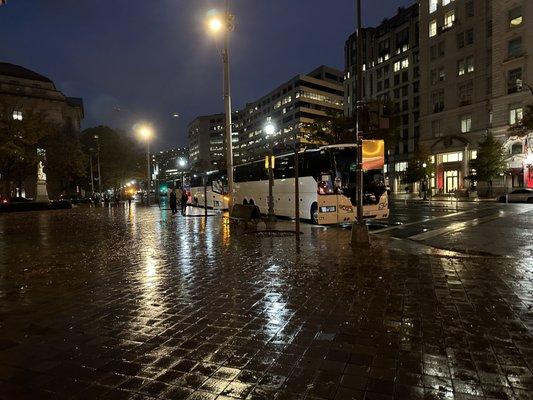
{"x":525,"y":126}
{"x":19,"y":140}
{"x":121,"y":157}
{"x":377,"y":122}
{"x":490,"y":161}
{"x":416,"y":171}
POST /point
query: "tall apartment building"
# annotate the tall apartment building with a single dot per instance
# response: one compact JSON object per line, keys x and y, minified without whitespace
{"x":475,"y":56}
{"x":391,"y":71}
{"x":206,"y":141}
{"x":456,"y":52}
{"x":512,"y":83}
{"x":170,"y":165}
{"x":289,"y":107}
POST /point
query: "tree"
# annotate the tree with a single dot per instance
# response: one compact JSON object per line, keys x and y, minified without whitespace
{"x":416,"y":171}
{"x":19,"y":140}
{"x":65,"y":160}
{"x":490,"y":161}
{"x":121,"y":157}
{"x":377,"y":122}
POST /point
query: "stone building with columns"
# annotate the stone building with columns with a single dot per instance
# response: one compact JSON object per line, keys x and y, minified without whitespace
{"x":24,"y":91}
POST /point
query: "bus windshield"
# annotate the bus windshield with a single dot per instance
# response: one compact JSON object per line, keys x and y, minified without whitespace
{"x":345,"y":170}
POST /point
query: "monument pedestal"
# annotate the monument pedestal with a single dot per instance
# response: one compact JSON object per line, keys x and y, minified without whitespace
{"x":41,"y":194}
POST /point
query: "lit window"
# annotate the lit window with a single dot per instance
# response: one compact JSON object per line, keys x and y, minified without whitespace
{"x":433,"y":28}
{"x":516,"y":113}
{"x":473,"y":154}
{"x":466,"y":123}
{"x":433,"y":5}
{"x":401,"y":166}
{"x":515,"y":17}
{"x":449,"y":19}
{"x":461,"y":67}
{"x":446,"y":2}
{"x":17,"y":115}
{"x":452,"y":157}
{"x":470,"y":64}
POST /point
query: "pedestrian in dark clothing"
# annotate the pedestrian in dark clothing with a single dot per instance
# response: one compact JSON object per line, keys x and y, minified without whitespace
{"x":184,"y":200}
{"x":173,"y":200}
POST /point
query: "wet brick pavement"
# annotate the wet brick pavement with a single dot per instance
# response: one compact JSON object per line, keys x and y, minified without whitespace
{"x":118,"y":304}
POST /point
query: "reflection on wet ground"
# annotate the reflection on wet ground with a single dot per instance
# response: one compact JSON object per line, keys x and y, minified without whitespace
{"x":118,"y":303}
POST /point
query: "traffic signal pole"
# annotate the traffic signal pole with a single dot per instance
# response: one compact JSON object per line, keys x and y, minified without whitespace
{"x":359,"y":228}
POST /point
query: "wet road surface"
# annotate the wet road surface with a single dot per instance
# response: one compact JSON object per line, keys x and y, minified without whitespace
{"x":119,"y":304}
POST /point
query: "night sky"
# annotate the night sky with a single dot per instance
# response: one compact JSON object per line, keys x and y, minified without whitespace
{"x":153,"y":58}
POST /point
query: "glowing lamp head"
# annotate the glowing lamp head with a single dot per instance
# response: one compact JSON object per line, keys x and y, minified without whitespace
{"x":270,"y":129}
{"x":145,"y":132}
{"x":215,"y":24}
{"x":182,"y":162}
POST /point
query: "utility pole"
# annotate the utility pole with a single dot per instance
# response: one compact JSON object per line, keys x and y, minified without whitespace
{"x":227,"y":104}
{"x":148,"y":170}
{"x":359,"y":228}
{"x":296,"y":185}
{"x":91,"y":165}
{"x":98,"y":162}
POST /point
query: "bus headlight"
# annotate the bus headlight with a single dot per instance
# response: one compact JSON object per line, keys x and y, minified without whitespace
{"x":347,"y":209}
{"x":327,"y":209}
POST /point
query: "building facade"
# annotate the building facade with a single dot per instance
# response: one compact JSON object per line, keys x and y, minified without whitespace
{"x":171,"y":166}
{"x":512,"y":80}
{"x":456,"y":52}
{"x":206,"y":141}
{"x":391,"y":74}
{"x":289,"y":107}
{"x":24,"y":91}
{"x":476,"y":59}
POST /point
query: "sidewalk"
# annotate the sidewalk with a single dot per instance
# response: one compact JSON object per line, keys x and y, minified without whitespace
{"x":415,"y":198}
{"x":139,"y":304}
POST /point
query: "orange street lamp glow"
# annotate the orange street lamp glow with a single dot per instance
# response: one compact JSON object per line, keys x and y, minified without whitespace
{"x":215,"y":24}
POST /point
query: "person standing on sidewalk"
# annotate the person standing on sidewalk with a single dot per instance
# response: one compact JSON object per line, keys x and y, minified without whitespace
{"x":173,"y":201}
{"x":184,"y":200}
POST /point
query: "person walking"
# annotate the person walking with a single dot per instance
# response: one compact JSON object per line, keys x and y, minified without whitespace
{"x":184,"y":200}
{"x":173,"y":201}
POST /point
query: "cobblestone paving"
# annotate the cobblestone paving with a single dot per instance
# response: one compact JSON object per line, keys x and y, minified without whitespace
{"x":136,"y":304}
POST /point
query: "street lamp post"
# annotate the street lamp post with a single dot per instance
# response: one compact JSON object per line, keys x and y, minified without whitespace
{"x":359,"y":229}
{"x":269,"y":130}
{"x":146,"y":134}
{"x":91,"y":165}
{"x":425,"y":186}
{"x":225,"y":22}
{"x":98,"y":162}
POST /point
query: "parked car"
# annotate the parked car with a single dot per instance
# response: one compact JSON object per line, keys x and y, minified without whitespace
{"x":518,"y":196}
{"x":79,"y":199}
{"x":18,"y":199}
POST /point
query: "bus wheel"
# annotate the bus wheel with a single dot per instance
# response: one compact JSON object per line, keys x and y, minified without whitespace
{"x":245,"y":202}
{"x":252,"y":203}
{"x":314,"y":213}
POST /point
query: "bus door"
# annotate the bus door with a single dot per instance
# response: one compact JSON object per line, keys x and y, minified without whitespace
{"x":327,"y":200}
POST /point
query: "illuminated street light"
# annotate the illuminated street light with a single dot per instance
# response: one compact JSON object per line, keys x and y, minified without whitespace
{"x":224,"y":22}
{"x":146,"y":133}
{"x":269,"y":130}
{"x":215,"y":24}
